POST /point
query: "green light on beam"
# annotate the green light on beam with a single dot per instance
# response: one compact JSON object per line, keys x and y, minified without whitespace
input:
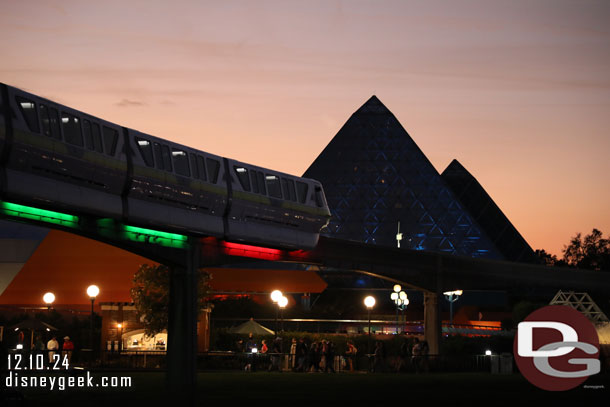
{"x":41,"y":215}
{"x":154,"y":236}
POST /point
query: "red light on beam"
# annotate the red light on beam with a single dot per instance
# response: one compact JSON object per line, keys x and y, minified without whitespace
{"x":244,"y":250}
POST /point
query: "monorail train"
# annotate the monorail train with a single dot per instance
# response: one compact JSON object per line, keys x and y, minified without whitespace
{"x":57,"y":157}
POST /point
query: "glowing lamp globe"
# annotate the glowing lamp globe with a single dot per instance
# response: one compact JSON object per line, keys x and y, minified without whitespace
{"x":397,"y":288}
{"x":394,"y":296}
{"x":93,"y":291}
{"x":48,"y":298}
{"x":282,"y":302}
{"x":276,"y":295}
{"x":369,"y":301}
{"x":403,"y":295}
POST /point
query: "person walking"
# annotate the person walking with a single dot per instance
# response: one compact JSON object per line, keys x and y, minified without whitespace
{"x":301,"y":354}
{"x":67,"y":349}
{"x":52,"y":347}
{"x":276,"y":353}
{"x":329,"y":354}
{"x":293,"y":354}
{"x":416,"y":355}
{"x":351,"y":355}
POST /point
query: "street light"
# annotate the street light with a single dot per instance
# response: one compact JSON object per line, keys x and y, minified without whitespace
{"x":92,"y":292}
{"x":452,"y":296}
{"x":282,"y":302}
{"x":400,"y":299}
{"x":276,"y":295}
{"x":120,"y":326}
{"x":369,"y":302}
{"x":48,"y":299}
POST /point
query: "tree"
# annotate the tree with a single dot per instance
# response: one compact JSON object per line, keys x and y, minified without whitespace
{"x":592,"y":252}
{"x":150,"y":293}
{"x":549,"y":259}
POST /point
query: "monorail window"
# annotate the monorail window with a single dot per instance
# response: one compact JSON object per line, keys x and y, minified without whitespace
{"x":158,"y":156}
{"x":273,"y":186}
{"x":110,"y":139}
{"x":72,"y":131}
{"x":242,"y":176}
{"x":97,"y":137}
{"x":302,"y":191}
{"x":288,"y":188}
{"x":146,"y":152}
{"x":167,"y":159}
{"x":50,"y":122}
{"x":93,"y":140}
{"x":319,"y":197}
{"x":254,"y":181}
{"x":201,"y":168}
{"x":193,"y":158}
{"x":181,"y":162}
{"x":29,"y":113}
{"x":213,"y":167}
{"x":261,"y":182}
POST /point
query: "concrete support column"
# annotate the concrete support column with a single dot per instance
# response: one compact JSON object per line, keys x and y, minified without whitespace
{"x":182,"y":326}
{"x":432,"y":322}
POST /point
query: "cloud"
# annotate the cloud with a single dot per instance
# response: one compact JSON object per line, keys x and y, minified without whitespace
{"x":130,"y":103}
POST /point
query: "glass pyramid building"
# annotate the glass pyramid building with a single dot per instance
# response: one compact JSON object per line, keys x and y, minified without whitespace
{"x":374,"y":176}
{"x":487,"y":214}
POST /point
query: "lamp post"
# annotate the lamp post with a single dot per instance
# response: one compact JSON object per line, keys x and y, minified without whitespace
{"x":275,"y":297}
{"x":404,"y":302}
{"x":92,"y":292}
{"x":369,"y":302}
{"x":120,"y":326}
{"x":48,"y":299}
{"x":452,"y":296}
{"x":282,"y":302}
{"x":400,"y":299}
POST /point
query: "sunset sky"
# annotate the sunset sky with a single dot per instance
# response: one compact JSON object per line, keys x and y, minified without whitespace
{"x":517,"y":91}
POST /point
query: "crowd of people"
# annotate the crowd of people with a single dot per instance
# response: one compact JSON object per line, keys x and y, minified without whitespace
{"x":319,"y":356}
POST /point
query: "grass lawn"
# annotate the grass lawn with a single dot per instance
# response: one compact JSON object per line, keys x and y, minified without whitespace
{"x":292,"y":389}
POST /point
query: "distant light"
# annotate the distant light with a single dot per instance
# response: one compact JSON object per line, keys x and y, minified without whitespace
{"x":16,"y":329}
{"x":254,"y":350}
{"x":48,"y":298}
{"x":93,"y":291}
{"x":270,"y":177}
{"x":282,"y":302}
{"x":119,"y":326}
{"x":240,"y":169}
{"x":65,"y":120}
{"x":48,"y":330}
{"x":405,"y":301}
{"x":403,"y":295}
{"x":397,"y":288}
{"x":456,"y":293}
{"x":178,"y":152}
{"x":369,"y":301}
{"x":488,"y":353}
{"x":143,"y":142}
{"x":394,"y":296}
{"x":19,"y":346}
{"x":276,"y":295}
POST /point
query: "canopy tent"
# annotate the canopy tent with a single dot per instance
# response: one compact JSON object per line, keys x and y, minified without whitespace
{"x":33,"y":325}
{"x":253,"y":327}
